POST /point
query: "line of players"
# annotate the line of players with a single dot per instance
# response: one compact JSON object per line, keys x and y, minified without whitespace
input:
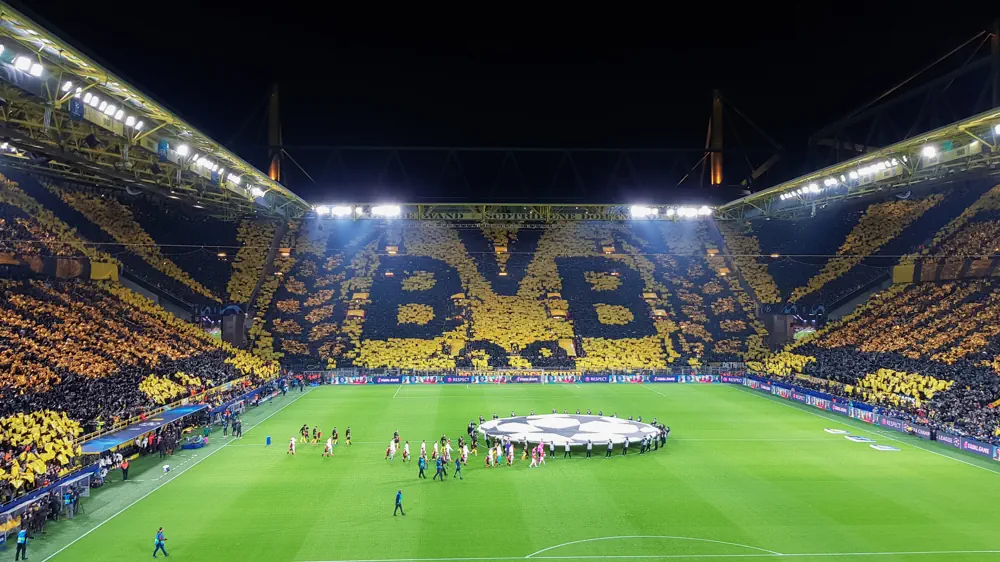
{"x":317,"y":436}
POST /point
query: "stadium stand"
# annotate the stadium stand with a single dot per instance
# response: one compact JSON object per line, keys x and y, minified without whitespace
{"x":931,"y":348}
{"x":192,"y":258}
{"x":828,"y":258}
{"x":590,"y":296}
{"x":77,"y":355}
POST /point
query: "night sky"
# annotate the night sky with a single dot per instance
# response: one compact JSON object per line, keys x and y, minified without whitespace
{"x":504,"y":75}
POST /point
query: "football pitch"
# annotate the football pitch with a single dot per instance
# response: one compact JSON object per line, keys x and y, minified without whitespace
{"x":743,"y":476}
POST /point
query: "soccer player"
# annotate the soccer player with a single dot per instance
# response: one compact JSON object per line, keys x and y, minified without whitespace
{"x":399,"y":503}
{"x":423,"y":448}
{"x":447,"y":449}
{"x":315,"y":436}
{"x":158,"y":543}
{"x":610,"y":445}
{"x":336,"y":436}
{"x":434,"y":453}
{"x":475,"y":444}
{"x":304,"y":432}
{"x":391,"y":451}
{"x":347,"y":435}
{"x":291,"y":446}
{"x":406,"y":451}
{"x":458,"y":470}
{"x":328,"y":450}
{"x":465,"y":454}
{"x":534,"y":458}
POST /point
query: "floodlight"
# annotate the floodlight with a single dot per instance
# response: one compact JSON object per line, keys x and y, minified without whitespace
{"x":386,"y":211}
{"x":341,"y":210}
{"x":642,"y":211}
{"x":256,"y":192}
{"x":322,"y":210}
{"x":929,"y":152}
{"x":22,"y":63}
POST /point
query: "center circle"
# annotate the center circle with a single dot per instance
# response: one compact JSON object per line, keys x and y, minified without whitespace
{"x":575,"y":429}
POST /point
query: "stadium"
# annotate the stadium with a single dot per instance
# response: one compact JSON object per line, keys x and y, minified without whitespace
{"x":803,"y":367}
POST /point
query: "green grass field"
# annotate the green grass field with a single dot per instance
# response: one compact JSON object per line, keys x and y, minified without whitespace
{"x":743,"y":476}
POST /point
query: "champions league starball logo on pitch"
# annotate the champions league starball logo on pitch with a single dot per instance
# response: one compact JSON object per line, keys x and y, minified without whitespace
{"x":562,"y":428}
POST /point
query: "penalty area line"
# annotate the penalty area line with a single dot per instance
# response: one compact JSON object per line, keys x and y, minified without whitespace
{"x":176,"y":476}
{"x":398,"y":388}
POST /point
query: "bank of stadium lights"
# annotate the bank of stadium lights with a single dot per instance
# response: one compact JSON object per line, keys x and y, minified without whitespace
{"x":928,"y":151}
{"x":642,"y":211}
{"x":256,"y":192}
{"x":386,"y":211}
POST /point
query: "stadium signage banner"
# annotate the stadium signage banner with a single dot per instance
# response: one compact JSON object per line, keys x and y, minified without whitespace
{"x":534,"y":379}
{"x":891,"y":423}
{"x":919,"y":430}
{"x":729,"y":379}
{"x":949,"y":439}
{"x":391,"y":379}
{"x":458,"y":379}
{"x":865,"y":412}
{"x":973,"y":446}
{"x":596,"y":378}
{"x":864,"y":415}
{"x":799,"y":397}
{"x":664,"y":378}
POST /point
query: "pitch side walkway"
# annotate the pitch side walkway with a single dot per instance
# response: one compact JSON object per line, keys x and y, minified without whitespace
{"x":144,"y":477}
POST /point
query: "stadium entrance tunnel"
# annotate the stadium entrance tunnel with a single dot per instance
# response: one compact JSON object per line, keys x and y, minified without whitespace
{"x":650,"y":546}
{"x":573,"y":428}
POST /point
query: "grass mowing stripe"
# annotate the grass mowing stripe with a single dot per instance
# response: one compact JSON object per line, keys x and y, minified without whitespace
{"x":177,"y":475}
{"x":860,"y":427}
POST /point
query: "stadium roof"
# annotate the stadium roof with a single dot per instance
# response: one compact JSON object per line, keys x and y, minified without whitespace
{"x":178,"y":157}
{"x":972,"y":144}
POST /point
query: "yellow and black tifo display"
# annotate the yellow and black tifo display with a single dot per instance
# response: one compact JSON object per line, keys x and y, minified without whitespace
{"x":431,"y":296}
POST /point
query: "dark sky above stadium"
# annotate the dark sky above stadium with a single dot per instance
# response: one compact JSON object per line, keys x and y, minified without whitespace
{"x":500,"y":75}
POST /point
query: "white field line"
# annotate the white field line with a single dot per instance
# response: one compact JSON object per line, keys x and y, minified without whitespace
{"x":993,"y":554}
{"x":879,"y":433}
{"x":176,"y":475}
